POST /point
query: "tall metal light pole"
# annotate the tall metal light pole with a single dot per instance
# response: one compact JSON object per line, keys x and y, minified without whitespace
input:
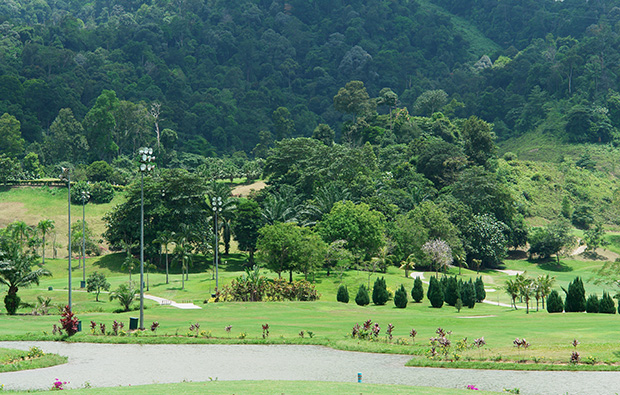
{"x":85,"y":198}
{"x":66,"y":175}
{"x":146,"y":157}
{"x":216,"y":206}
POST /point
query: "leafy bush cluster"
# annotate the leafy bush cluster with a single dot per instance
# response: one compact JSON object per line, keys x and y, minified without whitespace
{"x":244,"y":289}
{"x":455,"y":292}
{"x":98,"y":192}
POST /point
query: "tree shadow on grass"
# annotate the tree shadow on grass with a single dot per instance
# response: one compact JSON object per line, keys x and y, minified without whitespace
{"x":553,"y":266}
{"x":593,"y":256}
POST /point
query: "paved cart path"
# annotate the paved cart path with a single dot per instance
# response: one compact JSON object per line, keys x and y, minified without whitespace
{"x":108,"y":365}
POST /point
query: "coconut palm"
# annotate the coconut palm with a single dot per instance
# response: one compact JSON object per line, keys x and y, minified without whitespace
{"x":526,"y":289}
{"x":512,"y":289}
{"x":44,"y":226}
{"x":164,"y":238}
{"x":543,"y":287}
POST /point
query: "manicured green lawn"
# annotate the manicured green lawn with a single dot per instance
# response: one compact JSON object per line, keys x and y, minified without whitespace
{"x":275,"y":387}
{"x":14,"y":360}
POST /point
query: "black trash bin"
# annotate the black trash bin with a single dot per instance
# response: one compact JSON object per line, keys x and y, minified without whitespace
{"x":79,"y":326}
{"x":82,"y":284}
{"x":133,"y":323}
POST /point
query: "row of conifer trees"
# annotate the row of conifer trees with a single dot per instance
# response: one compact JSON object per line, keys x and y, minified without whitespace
{"x":449,"y":290}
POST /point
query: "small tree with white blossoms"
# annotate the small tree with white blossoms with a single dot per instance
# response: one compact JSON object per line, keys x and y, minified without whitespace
{"x":439,"y":252}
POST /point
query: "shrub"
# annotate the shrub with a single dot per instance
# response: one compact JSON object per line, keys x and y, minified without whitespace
{"x":11,"y":302}
{"x":435,"y":294}
{"x":343,"y":294}
{"x":554,"y":302}
{"x":68,"y":321}
{"x":592,"y":304}
{"x":607,"y":305}
{"x":101,"y":192}
{"x":575,"y":297}
{"x":362,"y":298}
{"x":380,"y":294}
{"x":417,"y":292}
{"x":258,"y":288}
{"x":451,"y":291}
{"x":481,"y":294}
{"x":400,"y":297}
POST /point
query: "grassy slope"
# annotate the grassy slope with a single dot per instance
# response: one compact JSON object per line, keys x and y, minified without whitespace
{"x":540,"y":186}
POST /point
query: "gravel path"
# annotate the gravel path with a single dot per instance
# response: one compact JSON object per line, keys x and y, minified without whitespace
{"x":107,"y":365}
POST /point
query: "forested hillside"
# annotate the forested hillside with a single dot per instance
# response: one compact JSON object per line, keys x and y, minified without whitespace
{"x":219,"y":72}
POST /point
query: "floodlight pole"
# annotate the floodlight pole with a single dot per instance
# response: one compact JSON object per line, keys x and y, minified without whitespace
{"x":146,"y":157}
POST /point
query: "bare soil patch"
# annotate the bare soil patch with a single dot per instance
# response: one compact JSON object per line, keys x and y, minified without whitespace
{"x":244,"y":190}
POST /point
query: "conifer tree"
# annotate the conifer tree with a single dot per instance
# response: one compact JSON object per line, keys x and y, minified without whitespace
{"x":451,"y":292}
{"x":575,"y":297}
{"x":481,"y":294}
{"x":417,"y":292}
{"x":362,"y":298}
{"x":343,"y":294}
{"x":435,"y":293}
{"x":380,"y":294}
{"x":554,"y":302}
{"x":592,"y":304}
{"x":400,"y":297}
{"x":607,"y":305}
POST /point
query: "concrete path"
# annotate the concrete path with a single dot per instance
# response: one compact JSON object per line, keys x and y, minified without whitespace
{"x":166,"y":302}
{"x":110,"y":365}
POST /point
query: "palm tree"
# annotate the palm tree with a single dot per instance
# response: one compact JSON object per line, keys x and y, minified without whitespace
{"x":44,"y":226}
{"x":182,"y":255}
{"x":164,"y":238}
{"x":408,"y":264}
{"x":526,"y":289}
{"x":16,"y":269}
{"x":125,"y":295}
{"x":543,"y":285}
{"x":129,"y":262}
{"x":323,"y":202}
{"x":279,"y":208}
{"x":512,"y":289}
{"x":20,"y":231}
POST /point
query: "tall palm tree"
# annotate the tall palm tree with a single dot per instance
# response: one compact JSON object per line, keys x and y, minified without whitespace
{"x":20,"y":231}
{"x":544,"y":285}
{"x":182,"y":255}
{"x":526,"y":289}
{"x":44,"y":226}
{"x":512,"y":289}
{"x":164,"y":238}
{"x":323,"y":202}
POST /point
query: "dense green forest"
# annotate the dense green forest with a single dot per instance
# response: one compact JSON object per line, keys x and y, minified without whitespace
{"x":388,"y":112}
{"x":218,"y":73}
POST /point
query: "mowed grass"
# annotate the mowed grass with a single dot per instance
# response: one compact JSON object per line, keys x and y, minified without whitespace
{"x":330,"y":322}
{"x":275,"y":387}
{"x":14,"y":360}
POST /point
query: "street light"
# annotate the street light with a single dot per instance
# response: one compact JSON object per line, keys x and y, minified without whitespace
{"x":85,"y":198}
{"x":216,"y":206}
{"x":66,"y":176}
{"x":146,"y":157}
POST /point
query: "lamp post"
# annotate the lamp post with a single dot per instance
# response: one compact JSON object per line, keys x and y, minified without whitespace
{"x":146,"y":157}
{"x":216,"y":206}
{"x":85,"y":198}
{"x":66,"y":175}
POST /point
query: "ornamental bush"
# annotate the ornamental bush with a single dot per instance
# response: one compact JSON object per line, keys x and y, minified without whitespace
{"x":417,"y":292}
{"x":343,"y":294}
{"x":592,"y":304}
{"x":554,"y":302}
{"x":11,"y":302}
{"x":400,"y":297}
{"x":362,"y":298}
{"x":607,"y":305}
{"x":435,"y":294}
{"x":380,"y":294}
